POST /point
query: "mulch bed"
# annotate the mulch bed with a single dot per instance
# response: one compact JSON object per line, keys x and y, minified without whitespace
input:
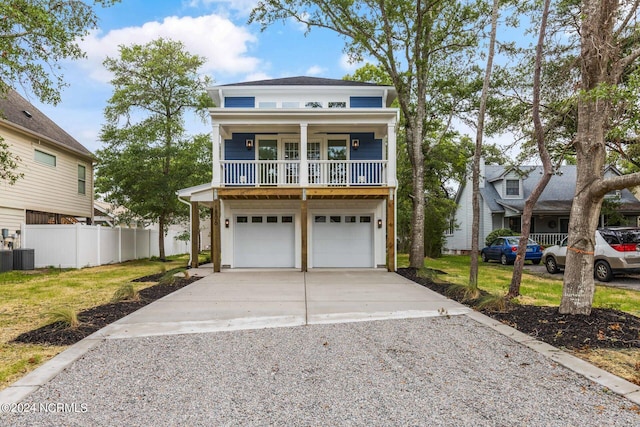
{"x":604,"y":328}
{"x":95,"y":318}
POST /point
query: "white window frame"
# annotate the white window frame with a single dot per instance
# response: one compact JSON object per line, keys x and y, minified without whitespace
{"x":84,"y":180}
{"x":513,"y":196}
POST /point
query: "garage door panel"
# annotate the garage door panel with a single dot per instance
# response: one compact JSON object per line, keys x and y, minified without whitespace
{"x":342,"y":242}
{"x":264,"y":244}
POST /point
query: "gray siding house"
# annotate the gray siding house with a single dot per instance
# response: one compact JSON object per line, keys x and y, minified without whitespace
{"x":503,"y":192}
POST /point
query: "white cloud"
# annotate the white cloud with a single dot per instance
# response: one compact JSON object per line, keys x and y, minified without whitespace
{"x":349,"y":66}
{"x":242,"y":6}
{"x":216,"y":38}
{"x":315,"y":70}
{"x":254,"y":77}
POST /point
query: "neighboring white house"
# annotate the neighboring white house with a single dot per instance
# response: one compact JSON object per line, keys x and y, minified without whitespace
{"x":304,"y":175}
{"x":503,"y":191}
{"x":57,"y":186}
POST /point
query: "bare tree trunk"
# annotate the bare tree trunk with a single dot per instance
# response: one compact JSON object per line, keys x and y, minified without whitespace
{"x":161,"y":225}
{"x":516,"y":278}
{"x":477,"y":154}
{"x":416,"y":254}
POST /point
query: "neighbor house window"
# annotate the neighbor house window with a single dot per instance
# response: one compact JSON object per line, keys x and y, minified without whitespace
{"x":45,"y":158}
{"x":82,"y":179}
{"x":513,"y":187}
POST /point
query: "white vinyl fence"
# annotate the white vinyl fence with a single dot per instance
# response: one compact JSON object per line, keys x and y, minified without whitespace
{"x":77,"y":246}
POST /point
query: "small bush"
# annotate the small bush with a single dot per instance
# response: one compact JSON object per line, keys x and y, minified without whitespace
{"x":498,"y":233}
{"x":125,"y":292}
{"x":493,"y":302}
{"x":67,"y":316}
{"x":463,"y":292}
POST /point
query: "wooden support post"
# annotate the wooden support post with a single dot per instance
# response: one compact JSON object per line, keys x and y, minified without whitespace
{"x":216,"y":241}
{"x":303,"y":232}
{"x":195,"y":233}
{"x":391,"y":234}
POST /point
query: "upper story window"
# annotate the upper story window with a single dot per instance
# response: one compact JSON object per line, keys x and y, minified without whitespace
{"x":512,"y":187}
{"x":45,"y":158}
{"x":82,"y":179}
{"x":313,"y":104}
{"x":337,"y":104}
{"x":267,"y":104}
{"x":290,"y":104}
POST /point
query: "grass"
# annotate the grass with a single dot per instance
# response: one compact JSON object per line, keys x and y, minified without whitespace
{"x":535,"y":289}
{"x":545,"y":291}
{"x":28,"y":297}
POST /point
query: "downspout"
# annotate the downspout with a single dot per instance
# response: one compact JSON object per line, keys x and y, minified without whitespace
{"x":190,"y":220}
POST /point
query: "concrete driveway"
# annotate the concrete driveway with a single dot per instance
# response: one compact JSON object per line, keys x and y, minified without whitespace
{"x":251,"y":299}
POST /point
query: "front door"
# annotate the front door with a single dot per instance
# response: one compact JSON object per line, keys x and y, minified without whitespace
{"x":268,"y":162}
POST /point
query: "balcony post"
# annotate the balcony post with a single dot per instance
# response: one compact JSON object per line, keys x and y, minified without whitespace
{"x":304,"y":165}
{"x":215,"y":161}
{"x":391,"y":155}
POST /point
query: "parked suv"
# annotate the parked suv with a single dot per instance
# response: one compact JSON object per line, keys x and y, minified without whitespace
{"x":617,"y":251}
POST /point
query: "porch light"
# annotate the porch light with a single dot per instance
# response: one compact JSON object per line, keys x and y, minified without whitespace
{"x":379,"y":223}
{"x":355,"y":144}
{"x":226,"y":223}
{"x":249,"y":144}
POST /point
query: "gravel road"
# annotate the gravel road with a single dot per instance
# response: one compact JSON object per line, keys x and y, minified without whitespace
{"x":445,"y":371}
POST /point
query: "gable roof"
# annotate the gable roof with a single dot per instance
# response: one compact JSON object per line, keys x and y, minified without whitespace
{"x":302,"y":81}
{"x":24,"y":115}
{"x":557,"y":195}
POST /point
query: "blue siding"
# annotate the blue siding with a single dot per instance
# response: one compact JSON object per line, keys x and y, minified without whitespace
{"x":369,"y":149}
{"x":236,"y":149}
{"x":240,"y":102}
{"x":366,"y":102}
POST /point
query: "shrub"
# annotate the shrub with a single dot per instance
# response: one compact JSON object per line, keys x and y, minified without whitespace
{"x":498,"y":233}
{"x":67,"y":316}
{"x":125,"y":292}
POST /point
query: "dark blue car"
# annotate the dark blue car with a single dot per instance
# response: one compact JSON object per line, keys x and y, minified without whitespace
{"x":504,"y":249}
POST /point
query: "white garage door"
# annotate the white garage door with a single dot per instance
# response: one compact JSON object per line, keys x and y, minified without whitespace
{"x":264,"y":241}
{"x":342,"y":240}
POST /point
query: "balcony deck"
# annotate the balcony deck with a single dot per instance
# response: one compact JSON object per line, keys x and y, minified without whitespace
{"x":290,"y":173}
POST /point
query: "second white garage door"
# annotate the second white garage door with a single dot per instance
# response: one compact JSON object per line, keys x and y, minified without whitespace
{"x":342,"y":240}
{"x":264,"y":241}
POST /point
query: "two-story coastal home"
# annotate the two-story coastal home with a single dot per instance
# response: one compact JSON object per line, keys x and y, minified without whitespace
{"x":57,"y":182}
{"x":304,"y":175}
{"x":503,"y":192}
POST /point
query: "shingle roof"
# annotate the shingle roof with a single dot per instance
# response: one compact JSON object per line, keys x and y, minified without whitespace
{"x":302,"y":81}
{"x":17,"y":110}
{"x":557,"y":195}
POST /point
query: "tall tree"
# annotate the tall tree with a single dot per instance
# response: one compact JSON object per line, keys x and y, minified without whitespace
{"x":477,"y":154}
{"x":409,"y":40}
{"x":527,"y":213}
{"x":608,"y":64}
{"x":147,"y":155}
{"x":34,"y":37}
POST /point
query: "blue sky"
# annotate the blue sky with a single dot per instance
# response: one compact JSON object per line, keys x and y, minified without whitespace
{"x":214,"y":29}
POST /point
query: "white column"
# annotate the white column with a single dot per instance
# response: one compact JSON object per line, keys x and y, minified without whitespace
{"x":215,"y":161}
{"x":391,"y":155}
{"x":304,"y":165}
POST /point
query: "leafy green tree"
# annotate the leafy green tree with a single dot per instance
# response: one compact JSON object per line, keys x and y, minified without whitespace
{"x":34,"y":37}
{"x":421,"y":46}
{"x":147,"y":155}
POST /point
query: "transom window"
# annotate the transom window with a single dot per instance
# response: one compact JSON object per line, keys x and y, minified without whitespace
{"x":513,"y":187}
{"x":45,"y":158}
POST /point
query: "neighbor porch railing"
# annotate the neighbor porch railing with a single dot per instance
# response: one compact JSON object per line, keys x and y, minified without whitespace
{"x":288,"y":172}
{"x":547,"y":239}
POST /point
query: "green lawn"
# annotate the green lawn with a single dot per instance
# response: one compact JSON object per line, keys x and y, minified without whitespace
{"x":27,"y":298}
{"x":535,"y":289}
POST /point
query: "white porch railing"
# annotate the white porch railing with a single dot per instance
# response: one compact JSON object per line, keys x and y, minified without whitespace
{"x":287,"y":173}
{"x":547,"y":239}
